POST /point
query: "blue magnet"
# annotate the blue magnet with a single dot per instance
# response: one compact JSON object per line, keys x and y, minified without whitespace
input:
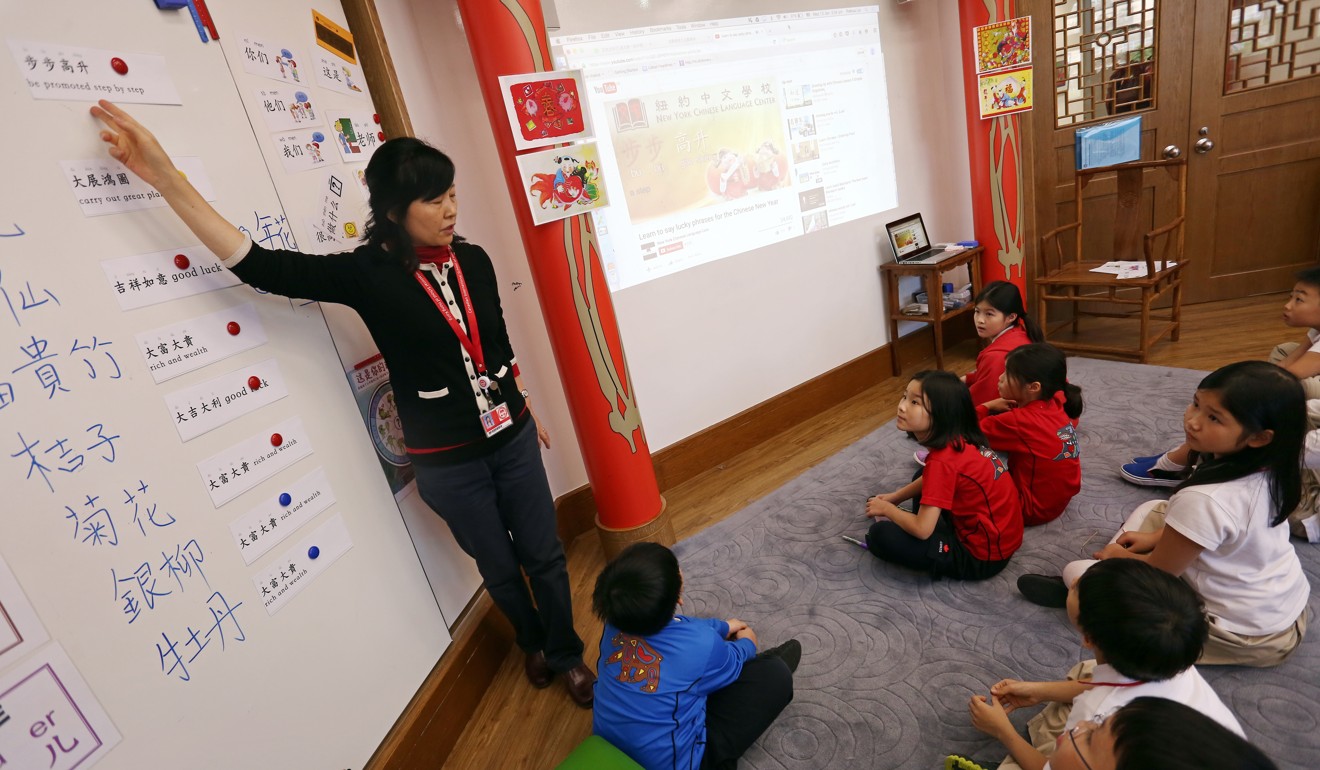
{"x":313,"y":552}
{"x":285,"y":498}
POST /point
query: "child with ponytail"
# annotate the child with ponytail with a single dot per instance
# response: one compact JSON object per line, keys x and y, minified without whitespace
{"x":1001,"y":319}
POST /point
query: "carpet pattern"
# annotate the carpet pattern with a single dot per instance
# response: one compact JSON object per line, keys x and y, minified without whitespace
{"x":890,"y":657}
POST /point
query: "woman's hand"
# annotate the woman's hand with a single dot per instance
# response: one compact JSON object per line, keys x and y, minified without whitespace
{"x":542,"y":434}
{"x":133,"y":145}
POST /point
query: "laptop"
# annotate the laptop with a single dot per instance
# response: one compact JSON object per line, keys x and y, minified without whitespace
{"x":911,"y":245}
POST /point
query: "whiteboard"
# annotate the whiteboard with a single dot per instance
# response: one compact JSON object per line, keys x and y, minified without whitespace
{"x":319,"y":682}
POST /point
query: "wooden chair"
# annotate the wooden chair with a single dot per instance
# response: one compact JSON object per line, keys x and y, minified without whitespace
{"x":1061,"y":278}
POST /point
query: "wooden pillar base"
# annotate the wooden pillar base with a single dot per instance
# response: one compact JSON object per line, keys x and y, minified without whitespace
{"x":657,"y":530}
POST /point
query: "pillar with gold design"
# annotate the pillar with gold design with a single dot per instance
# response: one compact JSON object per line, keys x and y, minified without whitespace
{"x":508,"y":37}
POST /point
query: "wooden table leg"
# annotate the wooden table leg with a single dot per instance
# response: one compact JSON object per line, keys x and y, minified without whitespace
{"x":891,"y":292}
{"x":935,"y":297}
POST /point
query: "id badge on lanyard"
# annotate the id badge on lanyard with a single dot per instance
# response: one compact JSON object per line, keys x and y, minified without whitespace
{"x":496,"y":419}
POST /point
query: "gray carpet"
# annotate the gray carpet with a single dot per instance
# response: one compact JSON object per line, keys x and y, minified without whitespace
{"x":891,"y":658}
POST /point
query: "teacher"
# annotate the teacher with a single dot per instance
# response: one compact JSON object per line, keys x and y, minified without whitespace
{"x":431,"y":302}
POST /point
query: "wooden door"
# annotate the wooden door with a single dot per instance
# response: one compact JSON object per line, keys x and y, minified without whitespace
{"x":1253,"y":196}
{"x":1245,"y":72}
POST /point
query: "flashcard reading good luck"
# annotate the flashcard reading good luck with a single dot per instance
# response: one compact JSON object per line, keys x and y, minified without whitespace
{"x":1003,"y":45}
{"x":148,"y":279}
{"x":69,"y":73}
{"x":270,"y":61}
{"x":545,"y":108}
{"x":208,"y":405}
{"x":304,"y":150}
{"x":562,"y":182}
{"x":54,"y":720}
{"x":285,"y":109}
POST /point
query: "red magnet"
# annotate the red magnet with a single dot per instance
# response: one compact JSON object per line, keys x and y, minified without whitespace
{"x":276,"y":439}
{"x":254,"y":382}
{"x":233,"y":328}
{"x":119,"y":66}
{"x":181,"y":261}
{"x":381,"y":136}
{"x":375,"y":116}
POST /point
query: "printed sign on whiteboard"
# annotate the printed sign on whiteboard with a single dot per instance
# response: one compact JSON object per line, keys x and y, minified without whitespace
{"x":72,"y":73}
{"x":54,"y":720}
{"x":208,"y":405}
{"x":270,"y":60}
{"x":304,"y":150}
{"x":303,"y":563}
{"x":336,"y":74}
{"x":263,"y":527}
{"x":233,"y":471}
{"x":285,"y":109}
{"x":105,"y":186}
{"x":149,"y":279}
{"x":21,"y":631}
{"x":185,"y":346}
{"x":334,"y":226}
{"x":356,"y":134}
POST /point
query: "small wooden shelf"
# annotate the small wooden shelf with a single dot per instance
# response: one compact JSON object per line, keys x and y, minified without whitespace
{"x":931,"y":276}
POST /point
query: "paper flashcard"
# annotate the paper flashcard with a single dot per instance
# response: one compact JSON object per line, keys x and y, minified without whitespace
{"x":1003,"y":45}
{"x":149,"y":279}
{"x":53,"y":719}
{"x":300,"y":565}
{"x":304,"y":150}
{"x":1003,"y":93}
{"x":184,"y":346}
{"x":221,"y":400}
{"x":272,"y":520}
{"x":233,"y":471}
{"x":545,"y":108}
{"x":286,"y":109}
{"x":70,"y":73}
{"x":562,"y":182}
{"x":336,"y":74}
{"x":356,"y":134}
{"x":104,"y":186}
{"x":333,"y":226}
{"x":21,"y":631}
{"x":270,"y":61}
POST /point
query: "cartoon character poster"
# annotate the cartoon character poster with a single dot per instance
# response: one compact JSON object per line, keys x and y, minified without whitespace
{"x":563,"y":181}
{"x":1003,"y":93}
{"x":1003,"y":45}
{"x":545,"y":108}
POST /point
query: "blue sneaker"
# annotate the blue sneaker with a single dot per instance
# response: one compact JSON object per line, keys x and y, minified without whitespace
{"x":1142,"y":472}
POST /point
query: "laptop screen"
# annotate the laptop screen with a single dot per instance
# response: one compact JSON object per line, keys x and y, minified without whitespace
{"x":907,"y":236}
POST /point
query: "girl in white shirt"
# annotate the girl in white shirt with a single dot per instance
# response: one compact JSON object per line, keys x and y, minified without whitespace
{"x":1221,"y":531}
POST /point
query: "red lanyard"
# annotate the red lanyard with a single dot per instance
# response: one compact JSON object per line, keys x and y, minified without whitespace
{"x":473,"y":344}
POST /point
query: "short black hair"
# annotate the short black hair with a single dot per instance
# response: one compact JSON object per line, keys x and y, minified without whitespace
{"x":1160,"y":734}
{"x":1309,"y":276}
{"x":638,"y":590}
{"x":1148,"y":624}
{"x":952,"y":416}
{"x":401,"y":171}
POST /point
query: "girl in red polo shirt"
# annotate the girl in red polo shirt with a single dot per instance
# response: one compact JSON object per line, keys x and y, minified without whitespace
{"x":1001,"y":319}
{"x":968,"y":520}
{"x":1034,"y":422}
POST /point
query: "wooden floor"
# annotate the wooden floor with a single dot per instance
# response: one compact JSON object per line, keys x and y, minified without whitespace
{"x":517,"y":726}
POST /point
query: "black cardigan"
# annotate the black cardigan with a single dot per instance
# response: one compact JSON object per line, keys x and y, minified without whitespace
{"x":419,"y":347}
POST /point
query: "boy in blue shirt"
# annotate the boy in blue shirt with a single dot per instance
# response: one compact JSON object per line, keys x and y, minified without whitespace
{"x":672,"y":691}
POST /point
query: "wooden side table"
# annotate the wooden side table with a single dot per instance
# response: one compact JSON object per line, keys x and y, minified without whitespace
{"x":932,"y":276}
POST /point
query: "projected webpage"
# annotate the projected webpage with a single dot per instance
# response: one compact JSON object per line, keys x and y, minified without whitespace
{"x":725,"y":136}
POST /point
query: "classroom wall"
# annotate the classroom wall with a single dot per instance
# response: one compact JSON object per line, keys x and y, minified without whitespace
{"x":708,"y":343}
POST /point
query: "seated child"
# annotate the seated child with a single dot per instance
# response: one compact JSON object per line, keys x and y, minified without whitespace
{"x":1221,"y":529}
{"x":675,"y":691}
{"x":968,"y":519}
{"x":1146,"y":627}
{"x":1001,"y":319}
{"x":1034,"y":423}
{"x":1149,"y":733}
{"x":1302,"y":310}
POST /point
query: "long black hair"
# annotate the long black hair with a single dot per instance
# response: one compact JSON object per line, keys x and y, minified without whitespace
{"x":1261,"y":396}
{"x":1005,"y":297}
{"x":1159,"y":734}
{"x":400,"y":172}
{"x":1042,"y":362}
{"x":952,"y":416}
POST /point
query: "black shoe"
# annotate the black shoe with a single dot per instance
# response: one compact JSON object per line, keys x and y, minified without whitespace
{"x":790,"y":652}
{"x":1044,"y":590}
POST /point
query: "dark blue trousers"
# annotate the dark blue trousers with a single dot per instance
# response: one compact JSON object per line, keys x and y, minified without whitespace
{"x":502,"y":514}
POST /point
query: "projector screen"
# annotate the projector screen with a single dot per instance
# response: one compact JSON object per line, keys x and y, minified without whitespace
{"x":724,"y":136}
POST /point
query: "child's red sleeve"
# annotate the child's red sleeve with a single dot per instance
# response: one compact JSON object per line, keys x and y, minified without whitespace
{"x":937,"y":482}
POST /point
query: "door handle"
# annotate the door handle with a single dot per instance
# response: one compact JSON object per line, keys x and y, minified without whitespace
{"x":1172,"y":151}
{"x":1204,"y":145}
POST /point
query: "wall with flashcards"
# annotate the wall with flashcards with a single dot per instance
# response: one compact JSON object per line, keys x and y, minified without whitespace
{"x":202,"y":560}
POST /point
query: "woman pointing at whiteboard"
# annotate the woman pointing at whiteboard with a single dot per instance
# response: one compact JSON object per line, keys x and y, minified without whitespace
{"x":432,"y":305}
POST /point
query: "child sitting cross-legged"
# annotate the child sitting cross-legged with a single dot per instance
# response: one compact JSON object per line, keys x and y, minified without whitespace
{"x":1146,"y":627}
{"x":674,"y":691}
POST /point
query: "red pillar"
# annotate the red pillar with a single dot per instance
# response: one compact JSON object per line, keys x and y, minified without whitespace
{"x":995,"y":154}
{"x":508,"y":37}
